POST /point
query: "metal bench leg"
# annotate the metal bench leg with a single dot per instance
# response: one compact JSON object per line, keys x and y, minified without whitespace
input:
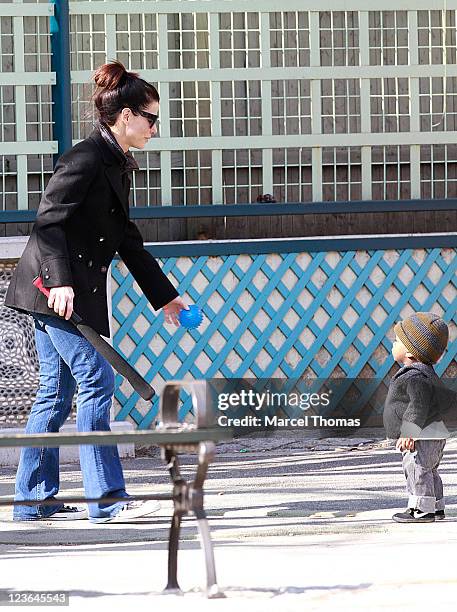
{"x":189,"y":498}
{"x":207,"y":545}
{"x":205,"y":457}
{"x":175,"y":527}
{"x":173,"y":546}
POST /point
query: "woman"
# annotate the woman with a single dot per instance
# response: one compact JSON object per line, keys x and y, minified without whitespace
{"x":82,"y":220}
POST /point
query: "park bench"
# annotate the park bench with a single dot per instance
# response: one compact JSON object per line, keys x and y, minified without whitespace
{"x":173,"y":438}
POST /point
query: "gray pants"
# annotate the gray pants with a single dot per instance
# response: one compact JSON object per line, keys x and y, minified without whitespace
{"x":423,"y":482}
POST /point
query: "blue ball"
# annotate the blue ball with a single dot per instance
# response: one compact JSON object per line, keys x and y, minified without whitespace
{"x":191,"y":318}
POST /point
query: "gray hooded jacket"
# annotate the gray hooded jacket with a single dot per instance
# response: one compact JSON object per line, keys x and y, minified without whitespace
{"x":416,"y":401}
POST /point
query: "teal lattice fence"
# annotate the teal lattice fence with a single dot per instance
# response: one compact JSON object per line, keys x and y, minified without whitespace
{"x":293,"y":315}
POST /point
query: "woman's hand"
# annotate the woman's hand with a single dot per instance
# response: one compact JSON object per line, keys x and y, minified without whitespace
{"x":172,"y":310}
{"x":405,"y":444}
{"x":61,"y":301}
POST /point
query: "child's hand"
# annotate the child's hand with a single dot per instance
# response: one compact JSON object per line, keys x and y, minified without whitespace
{"x":405,"y":444}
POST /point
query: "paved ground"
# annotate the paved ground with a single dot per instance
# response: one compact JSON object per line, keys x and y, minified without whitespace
{"x":297,"y":525}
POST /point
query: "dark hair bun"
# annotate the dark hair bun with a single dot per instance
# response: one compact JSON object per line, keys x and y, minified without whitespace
{"x":109,"y":76}
{"x":116,"y":88}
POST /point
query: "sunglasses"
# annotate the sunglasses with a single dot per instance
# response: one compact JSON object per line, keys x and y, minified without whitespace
{"x":152,"y":119}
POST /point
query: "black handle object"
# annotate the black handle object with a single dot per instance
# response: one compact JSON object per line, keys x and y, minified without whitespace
{"x":106,"y":350}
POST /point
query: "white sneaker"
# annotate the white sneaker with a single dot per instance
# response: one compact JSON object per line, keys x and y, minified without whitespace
{"x":131,"y":510}
{"x":67,"y":513}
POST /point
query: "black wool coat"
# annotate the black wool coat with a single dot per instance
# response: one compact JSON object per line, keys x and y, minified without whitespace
{"x":82,"y":221}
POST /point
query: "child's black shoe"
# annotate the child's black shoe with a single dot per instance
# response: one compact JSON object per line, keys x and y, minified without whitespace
{"x":411,"y":515}
{"x":439,"y":515}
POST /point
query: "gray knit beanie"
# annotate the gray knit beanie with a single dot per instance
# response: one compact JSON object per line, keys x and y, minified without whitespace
{"x":425,"y":335}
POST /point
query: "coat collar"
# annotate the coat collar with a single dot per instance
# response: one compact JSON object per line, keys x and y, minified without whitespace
{"x":113,"y":168}
{"x":426,"y":370}
{"x":109,"y":156}
{"x":128,"y":162}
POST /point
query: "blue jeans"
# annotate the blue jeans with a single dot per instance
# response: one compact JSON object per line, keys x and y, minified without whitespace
{"x":68,"y":360}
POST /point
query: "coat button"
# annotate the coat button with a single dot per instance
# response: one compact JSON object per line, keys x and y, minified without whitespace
{"x":94,"y":290}
{"x":90,"y":263}
{"x":112,"y":211}
{"x":80,"y":256}
{"x":47,"y":277}
{"x":46,"y":269}
{"x":103,"y":269}
{"x":101,"y":239}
